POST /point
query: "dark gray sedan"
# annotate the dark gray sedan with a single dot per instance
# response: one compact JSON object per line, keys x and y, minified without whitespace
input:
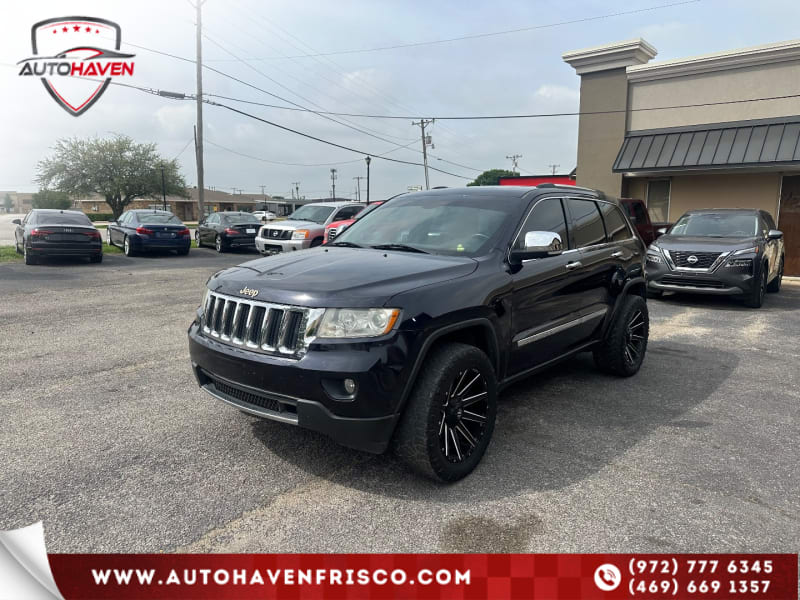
{"x":227,"y":230}
{"x":49,"y":232}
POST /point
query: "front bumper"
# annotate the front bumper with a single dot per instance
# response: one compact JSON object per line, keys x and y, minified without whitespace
{"x":267,"y":246}
{"x":303,"y":392}
{"x":723,"y":281}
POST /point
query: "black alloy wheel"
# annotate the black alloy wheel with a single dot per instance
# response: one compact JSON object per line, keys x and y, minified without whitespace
{"x":449,"y":417}
{"x":219,"y":245}
{"x":623,"y":348}
{"x":635,"y":341}
{"x":774,"y":286}
{"x":756,"y":297}
{"x":197,"y":238}
{"x":464,"y":414}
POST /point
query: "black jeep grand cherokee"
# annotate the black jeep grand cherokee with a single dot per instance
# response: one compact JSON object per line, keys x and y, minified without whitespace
{"x":405,"y":329}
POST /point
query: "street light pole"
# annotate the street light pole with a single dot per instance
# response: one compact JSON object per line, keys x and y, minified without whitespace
{"x":369,"y":160}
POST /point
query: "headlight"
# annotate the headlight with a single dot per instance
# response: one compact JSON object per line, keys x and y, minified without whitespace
{"x":300,"y":234}
{"x":357,"y":322}
{"x":740,"y":263}
{"x":654,"y":255}
{"x":753,"y":250}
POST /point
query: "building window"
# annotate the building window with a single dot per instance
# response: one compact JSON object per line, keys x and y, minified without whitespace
{"x":658,"y":200}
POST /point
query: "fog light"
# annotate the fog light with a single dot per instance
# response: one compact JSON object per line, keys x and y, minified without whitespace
{"x":349,"y":386}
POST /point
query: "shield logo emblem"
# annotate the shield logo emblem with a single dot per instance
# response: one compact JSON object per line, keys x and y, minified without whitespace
{"x":83,"y":41}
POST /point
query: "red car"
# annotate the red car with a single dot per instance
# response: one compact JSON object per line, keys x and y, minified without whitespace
{"x":337,"y":227}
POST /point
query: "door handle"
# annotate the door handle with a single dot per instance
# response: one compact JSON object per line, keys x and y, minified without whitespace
{"x":573,"y":265}
{"x":617,"y":254}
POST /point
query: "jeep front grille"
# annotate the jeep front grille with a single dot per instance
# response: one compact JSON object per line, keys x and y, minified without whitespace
{"x":276,"y":234}
{"x":275,"y":329}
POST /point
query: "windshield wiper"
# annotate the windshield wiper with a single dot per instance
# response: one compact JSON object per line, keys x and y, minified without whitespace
{"x":345,"y":244}
{"x":401,"y":247}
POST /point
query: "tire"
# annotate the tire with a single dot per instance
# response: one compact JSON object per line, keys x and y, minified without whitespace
{"x":29,"y":258}
{"x":108,"y":237}
{"x":623,"y":348}
{"x":16,"y":246}
{"x":435,"y":410}
{"x":219,"y":245}
{"x":774,"y":286}
{"x":756,"y":296}
{"x":127,"y":247}
{"x":96,"y":258}
{"x":316,"y":242}
{"x":197,"y":238}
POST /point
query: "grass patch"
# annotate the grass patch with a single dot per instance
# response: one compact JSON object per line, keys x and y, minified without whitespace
{"x":9,"y":254}
{"x":111,"y":249}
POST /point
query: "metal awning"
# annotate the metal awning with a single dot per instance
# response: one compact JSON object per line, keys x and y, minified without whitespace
{"x":756,"y":143}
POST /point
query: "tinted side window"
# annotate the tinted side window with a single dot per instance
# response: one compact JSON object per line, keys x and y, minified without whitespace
{"x":768,"y":219}
{"x":616,"y":227}
{"x":547,"y":215}
{"x":347,"y":212}
{"x":587,"y":223}
{"x":213,"y":219}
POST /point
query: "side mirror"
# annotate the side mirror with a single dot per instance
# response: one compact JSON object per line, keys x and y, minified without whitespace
{"x":661,"y":230}
{"x":16,"y":222}
{"x":538,"y":244}
{"x":774,"y":234}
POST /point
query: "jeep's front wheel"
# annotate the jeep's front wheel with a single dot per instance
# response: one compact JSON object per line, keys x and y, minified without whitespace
{"x":622,"y":350}
{"x":449,"y":419}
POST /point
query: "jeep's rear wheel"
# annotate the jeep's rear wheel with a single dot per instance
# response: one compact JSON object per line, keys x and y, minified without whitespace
{"x":449,"y":419}
{"x":622,"y":351}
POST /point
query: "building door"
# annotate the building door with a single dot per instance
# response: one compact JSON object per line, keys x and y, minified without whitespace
{"x":789,"y":223}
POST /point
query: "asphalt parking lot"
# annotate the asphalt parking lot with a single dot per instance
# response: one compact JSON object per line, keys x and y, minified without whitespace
{"x":105,"y":437}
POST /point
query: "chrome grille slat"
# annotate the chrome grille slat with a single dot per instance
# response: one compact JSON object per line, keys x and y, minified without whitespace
{"x":262,"y":327}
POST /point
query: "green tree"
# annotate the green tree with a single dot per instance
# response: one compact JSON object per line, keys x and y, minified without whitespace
{"x":118,"y":168}
{"x":51,"y":199}
{"x":492,"y":177}
{"x":8,"y":202}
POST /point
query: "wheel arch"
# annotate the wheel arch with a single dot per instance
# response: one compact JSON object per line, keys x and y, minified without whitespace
{"x":477,"y":332}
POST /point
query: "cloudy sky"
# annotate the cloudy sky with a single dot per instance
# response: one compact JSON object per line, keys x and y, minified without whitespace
{"x":504,"y":74}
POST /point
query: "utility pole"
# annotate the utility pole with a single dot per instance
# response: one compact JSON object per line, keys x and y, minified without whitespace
{"x":514,"y":158}
{"x":333,"y":184}
{"x":358,"y":183}
{"x":163,"y":187}
{"x":296,"y":185}
{"x":426,"y":141}
{"x":199,"y":126}
{"x":368,"y":160}
{"x":553,"y":168}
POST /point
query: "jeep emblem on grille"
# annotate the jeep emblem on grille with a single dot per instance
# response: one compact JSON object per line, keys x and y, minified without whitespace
{"x":246,"y":291}
{"x":692,"y":259}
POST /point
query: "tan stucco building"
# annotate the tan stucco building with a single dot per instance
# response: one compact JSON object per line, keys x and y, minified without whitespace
{"x":733,"y":140}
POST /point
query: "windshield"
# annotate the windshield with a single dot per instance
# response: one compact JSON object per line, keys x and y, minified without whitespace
{"x":716,"y":225}
{"x":454,"y":226}
{"x":154,"y":218}
{"x":317,"y":214}
{"x":241,"y":218}
{"x":62,"y":219}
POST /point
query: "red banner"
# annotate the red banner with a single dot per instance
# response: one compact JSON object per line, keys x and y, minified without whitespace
{"x":428,"y":576}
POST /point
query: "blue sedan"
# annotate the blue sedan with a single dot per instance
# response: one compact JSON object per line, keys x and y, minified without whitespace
{"x":142,"y":230}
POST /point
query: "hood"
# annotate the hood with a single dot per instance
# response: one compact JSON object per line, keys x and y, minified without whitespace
{"x":295,"y":225}
{"x":704,"y":244}
{"x":339,"y":277}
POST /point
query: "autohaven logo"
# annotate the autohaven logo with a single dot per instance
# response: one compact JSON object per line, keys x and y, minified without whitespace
{"x":69,"y":57}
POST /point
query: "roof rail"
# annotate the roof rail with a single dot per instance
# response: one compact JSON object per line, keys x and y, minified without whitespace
{"x":568,"y":187}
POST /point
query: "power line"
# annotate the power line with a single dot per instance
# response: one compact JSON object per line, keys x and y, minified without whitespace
{"x":482,"y":35}
{"x":329,"y":143}
{"x":190,"y":140}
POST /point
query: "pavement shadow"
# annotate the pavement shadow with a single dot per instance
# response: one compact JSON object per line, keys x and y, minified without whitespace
{"x":785,"y":300}
{"x":553,"y":430}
